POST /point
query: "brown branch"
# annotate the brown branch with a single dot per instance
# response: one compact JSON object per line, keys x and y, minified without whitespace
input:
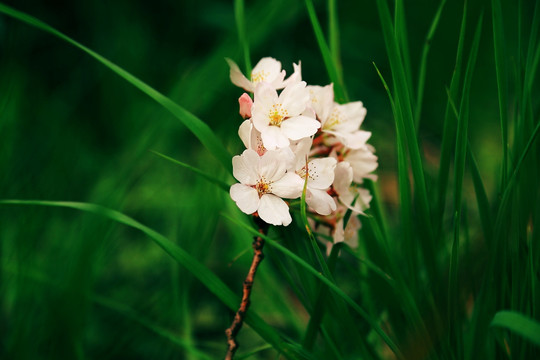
{"x":258,"y":256}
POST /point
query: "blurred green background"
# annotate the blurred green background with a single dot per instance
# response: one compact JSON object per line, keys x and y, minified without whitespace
{"x":74,"y":285}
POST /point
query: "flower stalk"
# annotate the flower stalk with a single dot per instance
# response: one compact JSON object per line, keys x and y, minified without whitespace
{"x":238,"y":321}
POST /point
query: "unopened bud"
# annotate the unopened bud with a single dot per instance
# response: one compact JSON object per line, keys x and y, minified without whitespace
{"x":245,"y":103}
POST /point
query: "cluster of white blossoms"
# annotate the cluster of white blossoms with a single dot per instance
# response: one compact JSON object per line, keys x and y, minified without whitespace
{"x":299,"y":133}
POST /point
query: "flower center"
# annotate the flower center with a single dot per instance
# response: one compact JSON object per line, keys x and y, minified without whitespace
{"x":334,"y":119}
{"x":259,"y":76}
{"x":277,"y":114}
{"x":302,"y":172}
{"x":262,"y":187}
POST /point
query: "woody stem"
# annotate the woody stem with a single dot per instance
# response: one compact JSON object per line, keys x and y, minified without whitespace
{"x":258,"y":256}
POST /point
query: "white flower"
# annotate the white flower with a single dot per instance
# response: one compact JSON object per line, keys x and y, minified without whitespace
{"x":347,"y":192}
{"x":251,"y":138}
{"x":267,"y":70}
{"x":341,"y":121}
{"x":264,"y":181}
{"x":363,"y":162}
{"x":320,"y":174}
{"x":349,"y":235}
{"x":280,"y":118}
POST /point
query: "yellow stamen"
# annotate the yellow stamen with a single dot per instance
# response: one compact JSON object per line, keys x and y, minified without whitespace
{"x":262,"y":187}
{"x":277,"y":114}
{"x":259,"y":76}
{"x":334,"y":119}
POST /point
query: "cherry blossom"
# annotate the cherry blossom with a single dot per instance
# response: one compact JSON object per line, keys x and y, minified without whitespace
{"x":348,"y":193}
{"x":363,"y":162}
{"x":264,"y":181}
{"x":320,"y":176}
{"x":267,"y":70}
{"x":341,"y":121}
{"x":280,"y":118}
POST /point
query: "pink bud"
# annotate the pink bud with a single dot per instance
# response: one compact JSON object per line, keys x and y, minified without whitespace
{"x":245,"y":105}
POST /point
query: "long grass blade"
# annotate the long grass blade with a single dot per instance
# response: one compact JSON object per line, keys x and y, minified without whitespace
{"x":239,"y":15}
{"x":200,"y":129}
{"x":211,"y":178}
{"x":519,"y":324}
{"x":331,"y":67}
{"x":449,"y":128}
{"x":401,"y":34}
{"x":459,"y":172}
{"x":502,"y":81}
{"x":423,"y":64}
{"x":481,"y":197}
{"x":406,"y":122}
{"x":333,"y":36}
{"x":201,"y":272}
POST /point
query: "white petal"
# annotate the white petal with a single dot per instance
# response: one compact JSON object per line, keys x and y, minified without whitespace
{"x":364,"y":199}
{"x":339,"y":232}
{"x":271,"y":166}
{"x":354,"y":113}
{"x":321,"y":173}
{"x":237,"y":78}
{"x":265,"y":97}
{"x":350,"y":234}
{"x":274,"y":210}
{"x":245,"y":167}
{"x":268,"y":70}
{"x":295,"y":77}
{"x":245,"y":197}
{"x":353,"y":140}
{"x":320,"y":202}
{"x":245,"y":133}
{"x":295,"y":98}
{"x":273,"y":137}
{"x":301,"y":150}
{"x":299,"y":127}
{"x":362,"y":196}
{"x":322,"y":100}
{"x":289,"y":186}
{"x":287,"y":156}
{"x":363,"y":162}
{"x":343,"y":176}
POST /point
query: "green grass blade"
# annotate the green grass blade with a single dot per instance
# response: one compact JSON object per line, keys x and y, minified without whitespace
{"x":327,"y":282}
{"x":459,"y":172}
{"x":406,"y":122}
{"x":513,"y":178}
{"x":319,"y":308}
{"x":201,"y":130}
{"x":333,"y":36}
{"x":519,"y":324}
{"x":400,"y":32}
{"x":134,"y":316}
{"x":502,"y":80}
{"x":239,"y":15}
{"x":481,"y":197}
{"x":115,"y":306}
{"x":201,"y":272}
{"x":331,"y":67}
{"x":423,"y":64}
{"x":211,"y":178}
{"x":447,"y":146}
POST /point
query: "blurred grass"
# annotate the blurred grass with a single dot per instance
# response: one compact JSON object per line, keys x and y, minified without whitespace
{"x":78,"y":286}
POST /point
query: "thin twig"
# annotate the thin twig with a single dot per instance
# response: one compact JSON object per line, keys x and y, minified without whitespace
{"x":258,"y":256}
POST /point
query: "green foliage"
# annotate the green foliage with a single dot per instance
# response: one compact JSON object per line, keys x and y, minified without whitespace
{"x":449,"y":256}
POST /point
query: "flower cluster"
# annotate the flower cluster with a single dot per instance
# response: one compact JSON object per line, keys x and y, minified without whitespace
{"x":299,"y":133}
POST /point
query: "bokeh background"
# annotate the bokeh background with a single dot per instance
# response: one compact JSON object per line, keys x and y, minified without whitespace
{"x":75,"y":285}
